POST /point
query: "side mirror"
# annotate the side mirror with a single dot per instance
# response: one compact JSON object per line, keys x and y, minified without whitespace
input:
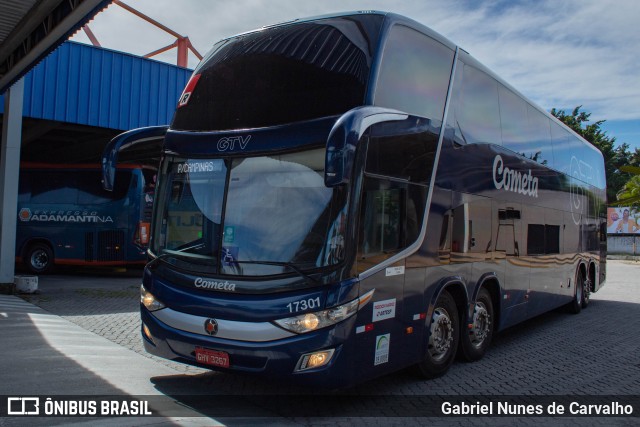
{"x":135,"y":138}
{"x":344,"y":136}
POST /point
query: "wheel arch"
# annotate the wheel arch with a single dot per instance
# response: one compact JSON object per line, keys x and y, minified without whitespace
{"x":491,"y":283}
{"x":456,"y":288}
{"x":34,"y":241}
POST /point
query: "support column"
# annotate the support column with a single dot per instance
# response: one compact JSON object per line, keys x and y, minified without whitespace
{"x":9,"y":173}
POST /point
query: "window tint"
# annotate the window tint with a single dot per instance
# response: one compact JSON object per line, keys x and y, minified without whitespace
{"x":540,"y":135}
{"x":90,"y":189}
{"x":565,"y":148}
{"x":414,"y":75}
{"x":477,"y":108}
{"x":543,"y":239}
{"x":391,"y":216}
{"x":82,"y":187}
{"x":524,"y":129}
{"x":282,"y":75}
{"x":398,"y":152}
{"x":52,"y":188}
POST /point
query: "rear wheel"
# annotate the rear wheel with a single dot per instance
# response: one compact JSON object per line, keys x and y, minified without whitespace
{"x":588,"y":288}
{"x":443,"y":338}
{"x":475,"y":343}
{"x":575,"y":306}
{"x":39,"y":258}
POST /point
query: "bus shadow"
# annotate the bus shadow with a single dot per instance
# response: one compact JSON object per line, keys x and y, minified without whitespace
{"x":534,"y":357}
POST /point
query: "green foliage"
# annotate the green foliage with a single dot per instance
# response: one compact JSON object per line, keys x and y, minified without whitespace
{"x":615,"y":157}
{"x":630,"y":193}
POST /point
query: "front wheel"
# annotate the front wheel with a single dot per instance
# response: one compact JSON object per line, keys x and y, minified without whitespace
{"x":443,"y":338}
{"x":39,"y":258}
{"x":475,"y":343}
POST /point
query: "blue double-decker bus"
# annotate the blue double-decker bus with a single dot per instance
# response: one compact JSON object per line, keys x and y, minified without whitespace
{"x":345,"y":196}
{"x":65,"y":217}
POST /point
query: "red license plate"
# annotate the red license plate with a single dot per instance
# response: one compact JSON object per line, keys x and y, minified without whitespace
{"x":212,"y":357}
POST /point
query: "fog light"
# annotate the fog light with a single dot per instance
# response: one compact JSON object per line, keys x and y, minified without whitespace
{"x":147,"y":332}
{"x":315,"y":360}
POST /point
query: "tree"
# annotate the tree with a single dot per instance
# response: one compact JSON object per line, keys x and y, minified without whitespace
{"x":629,"y":195}
{"x":614,"y":156}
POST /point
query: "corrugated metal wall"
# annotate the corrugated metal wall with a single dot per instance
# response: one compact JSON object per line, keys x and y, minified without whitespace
{"x":83,"y":84}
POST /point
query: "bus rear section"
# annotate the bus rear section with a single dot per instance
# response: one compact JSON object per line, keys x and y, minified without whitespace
{"x":335,"y":203}
{"x":65,"y":217}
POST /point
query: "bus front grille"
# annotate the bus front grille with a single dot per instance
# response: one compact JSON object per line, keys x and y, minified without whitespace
{"x":111,"y":245}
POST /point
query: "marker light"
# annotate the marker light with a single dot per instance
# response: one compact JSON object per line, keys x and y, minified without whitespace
{"x":149,"y":300}
{"x":321,"y":319}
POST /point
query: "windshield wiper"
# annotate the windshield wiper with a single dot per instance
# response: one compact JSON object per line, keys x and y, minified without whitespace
{"x":280,"y":264}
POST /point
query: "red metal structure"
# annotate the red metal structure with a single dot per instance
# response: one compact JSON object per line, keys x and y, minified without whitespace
{"x":182,"y":43}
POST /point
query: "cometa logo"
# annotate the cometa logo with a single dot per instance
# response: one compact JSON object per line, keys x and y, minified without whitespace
{"x":214,"y":285}
{"x":25,"y":214}
{"x":513,"y":180}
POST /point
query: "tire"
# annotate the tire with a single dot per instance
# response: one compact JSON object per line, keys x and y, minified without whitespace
{"x":588,"y":288}
{"x":443,"y":338}
{"x":575,"y":306}
{"x":475,"y":343}
{"x":39,"y":258}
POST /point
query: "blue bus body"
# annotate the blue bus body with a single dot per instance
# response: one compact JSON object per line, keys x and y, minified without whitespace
{"x":346,"y":196}
{"x":65,"y":217}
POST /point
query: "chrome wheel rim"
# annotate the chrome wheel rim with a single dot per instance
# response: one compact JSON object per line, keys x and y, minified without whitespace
{"x":481,"y":325}
{"x":39,"y":259}
{"x":441,"y":337}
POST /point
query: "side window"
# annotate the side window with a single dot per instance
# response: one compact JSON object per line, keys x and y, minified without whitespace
{"x":414,"y":75}
{"x":90,"y":189}
{"x":400,"y":152}
{"x":382,"y":222}
{"x":394,"y":193}
{"x":543,"y":239}
{"x":566,"y":149}
{"x":53,"y":188}
{"x":524,"y":129}
{"x":391,"y":214}
{"x":477,"y":109}
{"x":540,"y":137}
{"x":24,"y":187}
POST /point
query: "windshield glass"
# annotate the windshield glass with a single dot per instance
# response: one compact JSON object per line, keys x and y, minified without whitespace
{"x":282,"y":74}
{"x":250,"y":216}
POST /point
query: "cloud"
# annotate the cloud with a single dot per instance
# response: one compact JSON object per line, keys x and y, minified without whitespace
{"x":559,"y":54}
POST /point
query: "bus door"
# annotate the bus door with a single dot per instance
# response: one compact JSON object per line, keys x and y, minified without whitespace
{"x":399,"y":161}
{"x":382,"y":231}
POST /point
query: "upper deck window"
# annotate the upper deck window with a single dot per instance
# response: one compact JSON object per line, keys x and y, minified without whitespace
{"x":282,"y":75}
{"x":414,"y":75}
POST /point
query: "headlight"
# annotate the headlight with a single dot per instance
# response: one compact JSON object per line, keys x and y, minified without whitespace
{"x":321,"y":319}
{"x":150,"y":301}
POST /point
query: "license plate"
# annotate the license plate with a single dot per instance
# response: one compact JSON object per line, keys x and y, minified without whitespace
{"x":212,"y":357}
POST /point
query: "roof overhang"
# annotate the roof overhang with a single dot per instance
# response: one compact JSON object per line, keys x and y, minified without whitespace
{"x":31,"y":29}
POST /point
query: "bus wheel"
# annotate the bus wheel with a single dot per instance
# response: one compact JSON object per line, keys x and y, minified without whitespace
{"x":586,"y":294}
{"x":443,"y":338}
{"x":475,"y":343}
{"x":39,"y":258}
{"x":576,"y":304}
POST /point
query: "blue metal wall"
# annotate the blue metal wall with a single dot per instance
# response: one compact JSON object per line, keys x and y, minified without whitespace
{"x":83,"y":84}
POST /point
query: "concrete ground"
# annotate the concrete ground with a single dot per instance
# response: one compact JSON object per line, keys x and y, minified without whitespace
{"x":80,"y":334}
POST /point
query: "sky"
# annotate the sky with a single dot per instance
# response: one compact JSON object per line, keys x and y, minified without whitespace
{"x":559,"y":54}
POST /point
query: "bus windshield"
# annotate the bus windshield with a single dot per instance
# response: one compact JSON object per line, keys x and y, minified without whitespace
{"x":280,"y":75}
{"x":250,"y":216}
